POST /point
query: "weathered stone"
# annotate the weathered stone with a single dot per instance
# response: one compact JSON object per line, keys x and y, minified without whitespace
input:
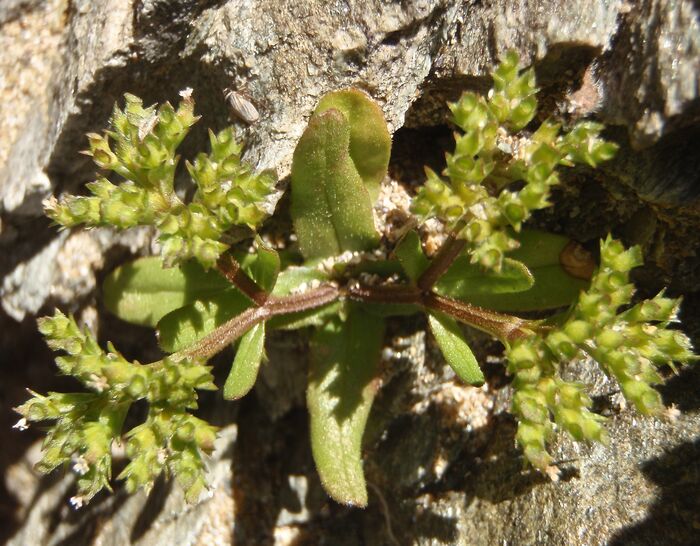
{"x":161,"y":517}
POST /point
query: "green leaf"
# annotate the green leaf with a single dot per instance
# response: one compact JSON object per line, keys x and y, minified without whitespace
{"x":550,"y":284}
{"x":298,"y":278}
{"x":467,"y":281}
{"x":558,"y":280}
{"x":331,"y":207}
{"x":181,"y":328}
{"x":246,"y":364}
{"x":263,"y":266}
{"x":143,"y":291}
{"x":410,"y":253}
{"x":457,"y":353}
{"x":370,"y":142}
{"x":392,"y":309}
{"x":342,"y":385}
{"x":303,"y":319}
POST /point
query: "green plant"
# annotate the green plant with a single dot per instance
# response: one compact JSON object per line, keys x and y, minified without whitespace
{"x":204,"y":292}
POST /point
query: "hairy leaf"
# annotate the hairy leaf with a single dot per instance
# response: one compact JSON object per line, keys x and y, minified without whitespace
{"x":263,"y":266}
{"x":344,"y":357}
{"x":143,"y":291}
{"x":454,"y":348}
{"x":466,"y":280}
{"x":181,"y":328}
{"x":244,"y":370}
{"x":539,"y":275}
{"x":298,"y":279}
{"x":410,"y":255}
{"x":370,"y":142}
{"x":331,"y":207}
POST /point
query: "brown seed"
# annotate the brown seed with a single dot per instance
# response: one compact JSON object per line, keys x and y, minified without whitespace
{"x":242,"y":108}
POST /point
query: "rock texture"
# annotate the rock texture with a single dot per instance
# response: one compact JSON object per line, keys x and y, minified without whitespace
{"x":440,"y":456}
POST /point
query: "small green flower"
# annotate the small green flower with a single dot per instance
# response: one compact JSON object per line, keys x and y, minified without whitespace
{"x":493,"y":152}
{"x":629,"y":345}
{"x":88,"y":424}
{"x":141,"y":148}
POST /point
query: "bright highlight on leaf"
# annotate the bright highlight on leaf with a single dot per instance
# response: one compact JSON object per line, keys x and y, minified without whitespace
{"x":370,"y":142}
{"x":343,"y":367}
{"x":142,"y":292}
{"x":331,"y":206}
{"x":455,"y":349}
{"x":244,"y":370}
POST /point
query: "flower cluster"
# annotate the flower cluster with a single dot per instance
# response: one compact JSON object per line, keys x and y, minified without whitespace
{"x":141,"y":148}
{"x":88,"y":424}
{"x":628,"y":345}
{"x":492,"y":153}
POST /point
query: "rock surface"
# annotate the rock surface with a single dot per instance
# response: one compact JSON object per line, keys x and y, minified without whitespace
{"x":440,"y":456}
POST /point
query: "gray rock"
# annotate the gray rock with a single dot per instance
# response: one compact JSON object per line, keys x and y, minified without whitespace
{"x":440,"y":456}
{"x":161,"y":517}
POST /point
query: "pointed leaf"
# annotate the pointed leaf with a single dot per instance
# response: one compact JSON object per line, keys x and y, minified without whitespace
{"x":244,"y":370}
{"x":263,"y":266}
{"x":143,"y":291}
{"x":556,"y":276}
{"x":181,"y":328}
{"x":344,"y":358}
{"x":457,"y":353}
{"x":468,"y":281}
{"x":331,"y":206}
{"x":410,"y":253}
{"x":370,"y":142}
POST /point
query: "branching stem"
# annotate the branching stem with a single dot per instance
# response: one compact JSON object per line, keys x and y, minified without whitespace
{"x":504,"y":327}
{"x":232,"y":271}
{"x":450,"y":249}
{"x":230,"y":331}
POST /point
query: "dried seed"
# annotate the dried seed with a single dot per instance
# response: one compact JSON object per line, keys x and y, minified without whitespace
{"x":241,"y":106}
{"x":147,"y":125}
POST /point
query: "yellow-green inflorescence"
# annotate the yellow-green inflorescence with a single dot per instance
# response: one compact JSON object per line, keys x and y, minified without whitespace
{"x":492,"y":152}
{"x":88,"y":425}
{"x":140,"y":148}
{"x":629,"y":346}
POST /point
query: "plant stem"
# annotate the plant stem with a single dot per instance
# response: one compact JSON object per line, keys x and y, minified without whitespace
{"x":232,"y":271}
{"x":395,"y":293}
{"x":230,"y":331}
{"x":505,"y":327}
{"x":444,"y":258}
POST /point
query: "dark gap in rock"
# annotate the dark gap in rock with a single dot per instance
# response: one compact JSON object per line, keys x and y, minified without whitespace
{"x":152,"y":508}
{"x":266,"y":454}
{"x":414,"y":149}
{"x":23,"y":237}
{"x":666,"y":173}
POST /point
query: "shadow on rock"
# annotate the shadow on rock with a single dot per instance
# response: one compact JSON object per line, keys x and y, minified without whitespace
{"x":675,"y":517}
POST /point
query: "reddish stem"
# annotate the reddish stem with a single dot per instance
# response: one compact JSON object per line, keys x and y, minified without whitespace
{"x":231,"y":270}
